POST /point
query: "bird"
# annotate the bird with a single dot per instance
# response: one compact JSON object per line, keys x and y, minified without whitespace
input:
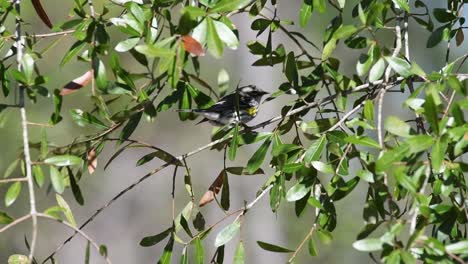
{"x":239,"y":107}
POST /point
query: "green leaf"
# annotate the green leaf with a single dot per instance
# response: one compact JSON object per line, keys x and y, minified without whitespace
{"x":324,"y":236}
{"x":391,"y":156}
{"x":291,"y":70}
{"x":38,"y":175}
{"x":284,"y":149}
{"x":419,"y":143}
{"x":130,"y":127}
{"x":58,"y":182}
{"x":297,"y":192}
{"x":160,"y":154}
{"x":184,"y":257}
{"x":443,"y":15}
{"x":27,"y":63}
{"x":155,"y":51}
{"x":18,"y":259}
{"x":368,"y":245}
{"x":199,"y":252}
{"x":365,"y":175}
{"x":155,"y":239}
{"x":257,"y":158}
{"x":226,"y":35}
{"x":100,"y":73}
{"x":74,"y":49}
{"x":167,"y":254}
{"x":66,"y":209}
{"x":84,"y":118}
{"x":5,"y":219}
{"x":239,"y":254}
{"x":87,"y":252}
{"x":397,"y":127}
{"x":400,"y":66}
{"x":344,"y":31}
{"x":305,"y":14}
{"x":225,"y":6}
{"x":320,"y":5}
{"x":437,"y":36}
{"x":314,"y":152}
{"x":44,"y":144}
{"x":368,"y":111}
{"x":323,"y":167}
{"x":11,"y":168}
{"x":460,"y":247}
{"x":312,"y":248}
{"x":363,"y":140}
{"x":214,"y":42}
{"x":273,"y":248}
{"x":438,"y":155}
{"x":328,"y":49}
{"x":342,"y":3}
{"x":234,"y":143}
{"x":227,"y":233}
{"x":12,"y":193}
{"x":402,"y":4}
{"x":63,"y":160}
{"x":431,"y":112}
{"x":377,"y":70}
{"x":127,"y":45}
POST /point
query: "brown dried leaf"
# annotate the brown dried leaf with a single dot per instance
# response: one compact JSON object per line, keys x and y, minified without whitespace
{"x":214,"y":189}
{"x":41,"y":13}
{"x":92,"y":161}
{"x":459,"y":37}
{"x":193,"y":46}
{"x":77,"y":83}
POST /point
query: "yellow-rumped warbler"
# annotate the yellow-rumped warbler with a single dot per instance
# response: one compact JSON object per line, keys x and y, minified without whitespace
{"x":243,"y":102}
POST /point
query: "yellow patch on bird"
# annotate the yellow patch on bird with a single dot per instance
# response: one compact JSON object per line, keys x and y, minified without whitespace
{"x":252,"y":111}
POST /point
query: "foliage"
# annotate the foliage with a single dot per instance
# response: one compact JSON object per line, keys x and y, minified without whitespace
{"x":413,"y":169}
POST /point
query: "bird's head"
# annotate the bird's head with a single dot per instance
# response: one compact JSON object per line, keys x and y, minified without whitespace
{"x":252,"y":90}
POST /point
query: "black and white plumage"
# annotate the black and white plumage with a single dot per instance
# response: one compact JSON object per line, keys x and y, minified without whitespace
{"x":238,"y":107}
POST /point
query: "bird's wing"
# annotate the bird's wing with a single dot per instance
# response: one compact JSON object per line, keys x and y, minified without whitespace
{"x":228,"y":102}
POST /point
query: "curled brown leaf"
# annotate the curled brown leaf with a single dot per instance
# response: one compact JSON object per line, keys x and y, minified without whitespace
{"x":193,"y":46}
{"x":214,"y":189}
{"x":77,"y":83}
{"x":92,"y":161}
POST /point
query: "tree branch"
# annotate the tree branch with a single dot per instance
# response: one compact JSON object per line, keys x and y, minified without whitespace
{"x":24,"y":125}
{"x":83,"y":234}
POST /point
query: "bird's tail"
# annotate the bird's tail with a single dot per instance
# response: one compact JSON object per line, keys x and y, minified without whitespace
{"x":188,"y":110}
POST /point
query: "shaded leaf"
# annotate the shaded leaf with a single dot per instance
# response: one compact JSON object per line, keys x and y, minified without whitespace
{"x":58,"y":182}
{"x":155,"y":239}
{"x":273,"y":248}
{"x":63,"y":160}
{"x":239,"y":254}
{"x":41,"y":12}
{"x":227,"y":233}
{"x":12,"y":193}
{"x":66,"y":209}
{"x":368,"y":245}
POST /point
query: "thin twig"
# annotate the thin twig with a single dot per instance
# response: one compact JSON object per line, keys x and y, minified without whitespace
{"x":24,"y":125}
{"x":14,"y":180}
{"x":239,"y":211}
{"x":414,"y":218}
{"x":345,"y":117}
{"x":17,"y":221}
{"x":211,"y":144}
{"x":396,"y":51}
{"x":311,"y":232}
{"x":83,"y":234}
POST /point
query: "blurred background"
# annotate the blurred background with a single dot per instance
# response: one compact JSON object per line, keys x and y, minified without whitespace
{"x":146,"y":210}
